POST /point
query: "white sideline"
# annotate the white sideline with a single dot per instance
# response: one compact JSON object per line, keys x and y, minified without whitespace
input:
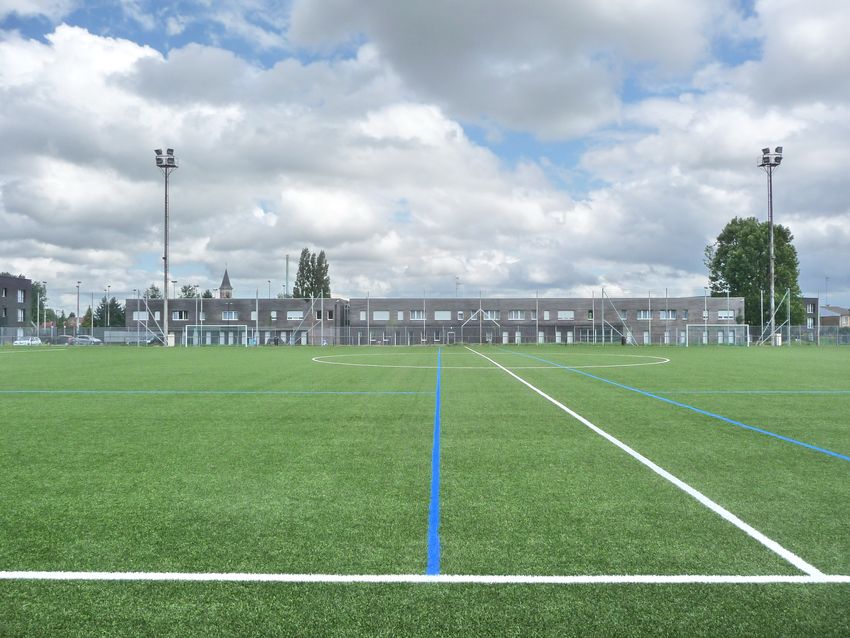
{"x":772,"y":545}
{"x":446,"y":579}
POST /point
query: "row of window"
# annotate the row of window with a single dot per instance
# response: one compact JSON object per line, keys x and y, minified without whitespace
{"x":4,"y":292}
{"x":21,"y":314}
{"x":531,"y":315}
{"x":231,"y":315}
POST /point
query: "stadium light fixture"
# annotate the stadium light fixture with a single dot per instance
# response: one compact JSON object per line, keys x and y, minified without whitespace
{"x":167,"y":164}
{"x":77,"y":318}
{"x":769,"y":162}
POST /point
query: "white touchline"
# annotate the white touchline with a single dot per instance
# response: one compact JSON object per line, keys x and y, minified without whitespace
{"x":791,"y":557}
{"x":448,"y":579}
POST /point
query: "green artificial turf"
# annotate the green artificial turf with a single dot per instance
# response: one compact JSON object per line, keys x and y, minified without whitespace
{"x":266,"y":461}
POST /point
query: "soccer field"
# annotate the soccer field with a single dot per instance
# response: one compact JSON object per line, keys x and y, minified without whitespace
{"x":511,"y":490}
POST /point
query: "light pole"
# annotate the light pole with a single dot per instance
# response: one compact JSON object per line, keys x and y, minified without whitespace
{"x":108,"y":287}
{"x":769,"y":162}
{"x":77,"y":318}
{"x":705,"y":315}
{"x":270,"y":288}
{"x":43,"y":305}
{"x":167,"y":164}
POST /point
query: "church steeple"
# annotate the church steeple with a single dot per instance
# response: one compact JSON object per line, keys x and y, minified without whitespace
{"x":225,"y":290}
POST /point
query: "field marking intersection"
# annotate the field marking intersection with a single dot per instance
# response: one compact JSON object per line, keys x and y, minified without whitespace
{"x":769,"y":543}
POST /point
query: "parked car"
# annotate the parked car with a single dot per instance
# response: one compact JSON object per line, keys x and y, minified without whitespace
{"x":61,"y":340}
{"x":85,"y":340}
{"x":27,"y":341}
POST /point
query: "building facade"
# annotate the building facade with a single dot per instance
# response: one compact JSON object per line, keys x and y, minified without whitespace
{"x":411,"y":321}
{"x":15,"y":302}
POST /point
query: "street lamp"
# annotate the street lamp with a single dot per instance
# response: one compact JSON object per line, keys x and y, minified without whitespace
{"x":769,"y":162}
{"x":705,"y":315}
{"x":167,"y":164}
{"x":77,"y":318}
{"x":108,"y":287}
{"x":270,"y":288}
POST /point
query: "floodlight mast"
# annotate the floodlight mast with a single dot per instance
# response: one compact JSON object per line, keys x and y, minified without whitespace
{"x":167,"y":164}
{"x":769,"y":162}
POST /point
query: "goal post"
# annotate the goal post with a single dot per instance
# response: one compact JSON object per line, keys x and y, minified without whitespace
{"x":717,"y":334}
{"x":216,"y":335}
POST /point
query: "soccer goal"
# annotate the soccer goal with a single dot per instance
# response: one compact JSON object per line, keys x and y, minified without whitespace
{"x":717,"y":334}
{"x":216,"y":335}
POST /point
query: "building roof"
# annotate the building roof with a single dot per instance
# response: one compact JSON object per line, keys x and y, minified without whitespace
{"x":833,"y":311}
{"x":225,"y":282}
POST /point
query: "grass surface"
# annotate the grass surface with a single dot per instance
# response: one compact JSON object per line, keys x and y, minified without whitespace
{"x":265,"y":461}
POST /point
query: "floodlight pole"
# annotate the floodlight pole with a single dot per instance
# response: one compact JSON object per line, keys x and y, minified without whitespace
{"x":77,"y":318}
{"x":167,"y":164}
{"x":768,"y":163}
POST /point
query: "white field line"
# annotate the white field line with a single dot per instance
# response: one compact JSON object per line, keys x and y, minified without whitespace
{"x":772,"y":545}
{"x":447,"y":579}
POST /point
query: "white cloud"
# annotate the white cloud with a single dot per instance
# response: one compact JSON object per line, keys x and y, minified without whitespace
{"x":365,"y":155}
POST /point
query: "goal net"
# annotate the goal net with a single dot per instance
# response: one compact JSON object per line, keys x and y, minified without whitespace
{"x":216,"y":335}
{"x":717,"y":334}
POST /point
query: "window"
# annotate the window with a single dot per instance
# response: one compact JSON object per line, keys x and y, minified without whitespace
{"x":684,"y":315}
{"x":140,"y":315}
{"x":492,"y":315}
{"x":442,"y":315}
{"x":516,"y":315}
{"x":4,"y":292}
{"x":545,"y":315}
{"x":20,"y":315}
{"x":460,"y":315}
{"x":319,"y":315}
{"x":5,"y":314}
{"x":810,"y":308}
{"x":667,"y":314}
{"x":417,"y":315}
{"x":179,"y":315}
{"x":400,"y":315}
{"x":229,"y":315}
{"x":380,"y":315}
{"x":253,"y":315}
{"x":725,"y":315}
{"x":20,"y":296}
{"x":298,"y":315}
{"x":705,"y":315}
{"x":810,"y":323}
{"x":533,"y":315}
{"x":156,"y":315}
{"x":274,"y":315}
{"x":624,"y":314}
{"x":590,"y":315}
{"x":566,"y":315}
{"x":329,"y":314}
{"x":203,"y":316}
{"x":644,"y":315}
{"x":362,"y":315}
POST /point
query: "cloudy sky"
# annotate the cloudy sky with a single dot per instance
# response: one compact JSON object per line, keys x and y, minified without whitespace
{"x":485,"y":146}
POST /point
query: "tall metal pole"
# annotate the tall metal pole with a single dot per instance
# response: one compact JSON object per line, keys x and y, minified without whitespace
{"x":769,"y":162}
{"x":166,"y":163}
{"x":77,"y":318}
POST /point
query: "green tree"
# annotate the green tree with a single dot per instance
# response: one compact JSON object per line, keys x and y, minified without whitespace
{"x":321,"y":278}
{"x":189,"y":291}
{"x":115,"y":316}
{"x":207,"y":294}
{"x":304,"y":276}
{"x":153,"y":292}
{"x":86,"y":320}
{"x":37,"y":307}
{"x":312,"y":279}
{"x":740,"y":261}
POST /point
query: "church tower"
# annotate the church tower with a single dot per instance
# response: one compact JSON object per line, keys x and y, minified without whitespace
{"x":225,"y":290}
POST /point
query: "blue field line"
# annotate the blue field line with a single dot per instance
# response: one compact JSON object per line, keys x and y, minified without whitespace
{"x":719,"y":417}
{"x":220,"y":392}
{"x":765,"y":392}
{"x":433,"y":568}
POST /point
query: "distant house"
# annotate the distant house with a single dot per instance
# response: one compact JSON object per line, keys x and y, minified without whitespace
{"x":15,"y":301}
{"x":835,"y":316}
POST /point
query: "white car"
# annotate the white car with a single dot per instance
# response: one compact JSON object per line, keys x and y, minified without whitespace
{"x":27,"y":341}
